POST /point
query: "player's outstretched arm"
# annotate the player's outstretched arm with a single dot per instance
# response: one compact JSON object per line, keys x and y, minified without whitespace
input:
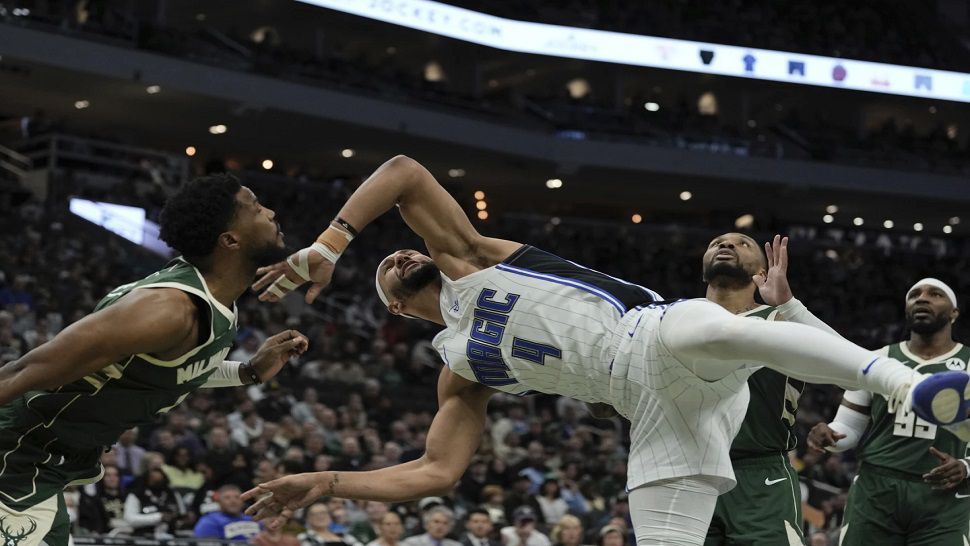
{"x":453,"y":438}
{"x":428,"y":209}
{"x":145,"y":321}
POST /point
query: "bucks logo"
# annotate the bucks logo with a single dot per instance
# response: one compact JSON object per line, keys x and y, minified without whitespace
{"x":11,"y":538}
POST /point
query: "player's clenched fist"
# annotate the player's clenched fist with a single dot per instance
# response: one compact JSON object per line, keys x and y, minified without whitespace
{"x":822,"y":437}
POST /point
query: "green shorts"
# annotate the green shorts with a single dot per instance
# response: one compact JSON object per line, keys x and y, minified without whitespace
{"x":889,"y":507}
{"x":34,"y":470}
{"x":765,"y":509}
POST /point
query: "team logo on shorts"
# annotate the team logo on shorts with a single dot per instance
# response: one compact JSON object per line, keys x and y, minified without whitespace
{"x":956,"y":364}
{"x":13,"y":538}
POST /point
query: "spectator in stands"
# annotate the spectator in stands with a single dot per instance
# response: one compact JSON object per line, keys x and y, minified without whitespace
{"x":568,"y":532}
{"x":129,"y":454}
{"x":181,"y":472}
{"x":438,"y":522}
{"x":494,"y":504}
{"x":228,"y":523}
{"x":478,"y":529}
{"x":551,"y":505}
{"x":368,"y":530}
{"x":220,"y":453}
{"x":523,"y":532}
{"x":390,"y":531}
{"x":318,"y":531}
{"x":152,"y":509}
{"x":612,"y":535}
{"x":102,"y":505}
{"x":274,"y":537}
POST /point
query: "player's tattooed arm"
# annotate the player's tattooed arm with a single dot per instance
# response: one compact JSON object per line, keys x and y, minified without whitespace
{"x":158,"y":321}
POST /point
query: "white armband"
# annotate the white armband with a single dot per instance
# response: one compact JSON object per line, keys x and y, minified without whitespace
{"x":850,"y":422}
{"x":226,"y":375}
{"x":795,"y":311}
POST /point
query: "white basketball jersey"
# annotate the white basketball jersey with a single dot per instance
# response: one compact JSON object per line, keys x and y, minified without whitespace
{"x":536,"y":323}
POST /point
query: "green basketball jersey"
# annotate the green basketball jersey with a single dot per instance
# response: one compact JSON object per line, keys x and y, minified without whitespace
{"x":95,"y":410}
{"x":901,"y":441}
{"x":767,"y":426}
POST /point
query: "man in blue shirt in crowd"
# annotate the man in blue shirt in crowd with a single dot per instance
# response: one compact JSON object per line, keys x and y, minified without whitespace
{"x":229,"y":523}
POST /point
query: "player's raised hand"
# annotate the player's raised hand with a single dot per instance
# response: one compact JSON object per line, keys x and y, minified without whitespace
{"x":821,"y":437}
{"x":276,"y":350}
{"x":306,"y":265}
{"x":949,"y":474}
{"x":773,"y":284}
{"x":279,"y":498}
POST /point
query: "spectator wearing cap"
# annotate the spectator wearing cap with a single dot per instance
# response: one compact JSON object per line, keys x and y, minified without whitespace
{"x":438,"y":522}
{"x":478,"y":529}
{"x":523,"y":531}
{"x":612,"y":535}
{"x":228,"y":523}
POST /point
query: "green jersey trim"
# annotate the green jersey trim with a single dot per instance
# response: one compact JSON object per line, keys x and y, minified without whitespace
{"x":904,"y":348}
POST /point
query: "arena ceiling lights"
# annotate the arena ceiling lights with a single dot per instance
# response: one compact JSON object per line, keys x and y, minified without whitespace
{"x":636,"y":50}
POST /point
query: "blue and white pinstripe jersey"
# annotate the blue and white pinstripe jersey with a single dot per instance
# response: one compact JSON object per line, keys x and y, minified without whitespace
{"x":536,"y":323}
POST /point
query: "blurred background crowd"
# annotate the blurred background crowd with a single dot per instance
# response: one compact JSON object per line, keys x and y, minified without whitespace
{"x":363,"y":396}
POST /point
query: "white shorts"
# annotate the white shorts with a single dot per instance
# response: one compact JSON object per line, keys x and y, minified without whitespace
{"x":681,"y":425}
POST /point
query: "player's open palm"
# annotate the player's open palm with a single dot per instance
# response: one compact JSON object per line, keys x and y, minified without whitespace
{"x":773,"y":284}
{"x":306,"y":265}
{"x":281,"y":497}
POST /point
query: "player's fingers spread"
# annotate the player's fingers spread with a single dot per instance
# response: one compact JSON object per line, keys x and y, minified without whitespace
{"x":939,"y":455}
{"x":768,"y":254}
{"x":313,"y":292}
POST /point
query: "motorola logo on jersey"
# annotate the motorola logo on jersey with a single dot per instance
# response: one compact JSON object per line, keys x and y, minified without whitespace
{"x":484,"y":351}
{"x":956,"y":364}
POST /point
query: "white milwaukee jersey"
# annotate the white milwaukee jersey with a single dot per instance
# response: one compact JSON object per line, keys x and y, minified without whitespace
{"x":536,"y":323}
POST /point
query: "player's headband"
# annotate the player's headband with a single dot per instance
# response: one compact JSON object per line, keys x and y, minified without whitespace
{"x":937,"y":283}
{"x":377,"y":282}
{"x":380,"y":291}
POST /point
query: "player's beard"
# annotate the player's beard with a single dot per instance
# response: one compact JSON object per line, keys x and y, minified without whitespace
{"x":269,"y":254}
{"x":422,"y":276}
{"x":926,"y":328}
{"x":726,"y":274}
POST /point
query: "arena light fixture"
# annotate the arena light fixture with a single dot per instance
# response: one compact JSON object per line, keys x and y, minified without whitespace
{"x":81,"y":104}
{"x":947,"y":229}
{"x":347,"y":153}
{"x":481,"y":205}
{"x":637,"y":218}
{"x":153,"y":89}
{"x":686,"y":195}
{"x":918,"y":226}
{"x":479,"y":195}
{"x":218,"y":129}
{"x":828,"y":218}
{"x":456,"y":173}
{"x":651,"y":107}
{"x":554,"y":183}
{"x":555,"y":220}
{"x":483,"y":215}
{"x":744,"y":221}
{"x":888,"y":224}
{"x":267,"y":164}
{"x":954,"y":220}
{"x":858,"y":221}
{"x":190,"y":151}
{"x":832,"y":209}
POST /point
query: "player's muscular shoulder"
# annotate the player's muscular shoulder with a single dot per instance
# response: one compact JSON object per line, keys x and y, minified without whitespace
{"x":451,"y":384}
{"x":167,"y":316}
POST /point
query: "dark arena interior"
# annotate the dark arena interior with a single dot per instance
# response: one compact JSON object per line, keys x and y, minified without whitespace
{"x":624,"y":136}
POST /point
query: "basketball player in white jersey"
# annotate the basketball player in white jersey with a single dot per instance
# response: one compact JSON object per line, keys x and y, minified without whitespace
{"x":517,"y":319}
